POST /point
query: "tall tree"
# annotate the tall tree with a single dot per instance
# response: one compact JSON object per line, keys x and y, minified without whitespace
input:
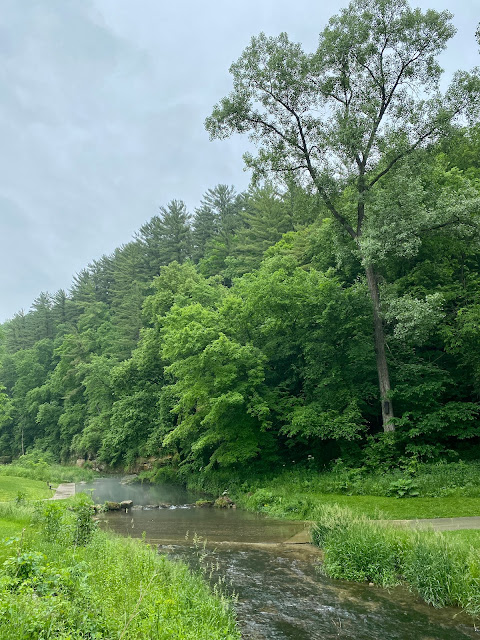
{"x":167,"y":237}
{"x":348,"y":114}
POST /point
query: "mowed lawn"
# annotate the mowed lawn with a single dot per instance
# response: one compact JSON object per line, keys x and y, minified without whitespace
{"x":303,"y":505}
{"x":12,"y":487}
{"x":405,"y":508}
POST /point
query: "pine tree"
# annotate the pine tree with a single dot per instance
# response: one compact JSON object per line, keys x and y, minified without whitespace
{"x":167,"y":237}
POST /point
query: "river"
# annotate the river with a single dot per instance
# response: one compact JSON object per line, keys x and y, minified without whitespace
{"x":280,"y":592}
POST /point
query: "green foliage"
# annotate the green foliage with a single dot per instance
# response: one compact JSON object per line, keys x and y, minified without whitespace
{"x":443,"y":570}
{"x":51,"y":587}
{"x":244,"y":335}
{"x":357,"y":549}
{"x":404,"y":488}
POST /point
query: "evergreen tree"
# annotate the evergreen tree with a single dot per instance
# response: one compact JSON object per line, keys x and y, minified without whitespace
{"x":167,"y":237}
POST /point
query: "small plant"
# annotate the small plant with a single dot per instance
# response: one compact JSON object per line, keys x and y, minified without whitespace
{"x":403,"y":488}
{"x":83,"y":510}
{"x":21,"y":497}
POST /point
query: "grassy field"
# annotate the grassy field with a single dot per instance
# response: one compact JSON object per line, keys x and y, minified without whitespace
{"x":281,"y":501}
{"x":12,"y":487}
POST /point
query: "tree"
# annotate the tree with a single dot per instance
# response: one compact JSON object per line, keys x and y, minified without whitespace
{"x":266,"y":217}
{"x":344,"y":117}
{"x":216,"y":223}
{"x":167,"y":237}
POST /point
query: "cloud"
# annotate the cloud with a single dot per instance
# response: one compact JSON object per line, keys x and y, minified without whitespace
{"x":102,"y":104}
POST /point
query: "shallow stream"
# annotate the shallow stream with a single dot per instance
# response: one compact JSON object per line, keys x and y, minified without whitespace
{"x":281,"y":594}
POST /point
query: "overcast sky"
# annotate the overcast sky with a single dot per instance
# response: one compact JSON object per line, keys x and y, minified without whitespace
{"x":102,"y":104}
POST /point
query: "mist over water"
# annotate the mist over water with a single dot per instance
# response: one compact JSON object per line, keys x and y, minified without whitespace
{"x":281,"y":593}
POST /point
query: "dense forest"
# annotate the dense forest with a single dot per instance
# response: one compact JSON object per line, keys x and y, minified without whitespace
{"x":331,"y":311}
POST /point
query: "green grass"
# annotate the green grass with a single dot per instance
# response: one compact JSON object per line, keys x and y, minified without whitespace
{"x":443,"y":568}
{"x":36,"y":468}
{"x":12,"y":487}
{"x":14,"y":518}
{"x":282,"y":501}
{"x":57,"y":584}
{"x":442,"y":490}
{"x":466,"y":536}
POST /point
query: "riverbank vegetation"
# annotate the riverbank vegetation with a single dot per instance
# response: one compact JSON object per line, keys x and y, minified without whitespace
{"x":443,"y":569}
{"x":41,"y":466}
{"x":326,"y":318}
{"x":60,"y":577}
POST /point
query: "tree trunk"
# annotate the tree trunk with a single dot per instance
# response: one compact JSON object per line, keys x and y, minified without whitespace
{"x":382,"y":366}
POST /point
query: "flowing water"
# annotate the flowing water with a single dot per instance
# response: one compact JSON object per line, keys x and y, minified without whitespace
{"x":281,"y":594}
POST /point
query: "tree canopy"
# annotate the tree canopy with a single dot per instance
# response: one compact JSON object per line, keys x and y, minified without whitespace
{"x":284,"y":323}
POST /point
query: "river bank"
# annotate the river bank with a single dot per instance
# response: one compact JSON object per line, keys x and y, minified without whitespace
{"x":354,"y":533}
{"x":63,"y":578}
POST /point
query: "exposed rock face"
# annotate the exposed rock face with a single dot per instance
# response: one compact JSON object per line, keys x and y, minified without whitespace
{"x":80,"y":462}
{"x":126,"y":504}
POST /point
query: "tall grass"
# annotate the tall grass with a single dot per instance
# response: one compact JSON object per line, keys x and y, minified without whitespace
{"x":57,"y":584}
{"x":37,"y":468}
{"x":443,"y":570}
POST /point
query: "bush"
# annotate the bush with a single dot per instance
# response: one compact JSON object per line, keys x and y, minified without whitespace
{"x":67,"y":523}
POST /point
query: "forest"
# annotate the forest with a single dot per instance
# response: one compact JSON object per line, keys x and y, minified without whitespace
{"x":330,"y":312}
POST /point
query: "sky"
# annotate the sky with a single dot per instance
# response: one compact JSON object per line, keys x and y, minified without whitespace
{"x":102,"y":105}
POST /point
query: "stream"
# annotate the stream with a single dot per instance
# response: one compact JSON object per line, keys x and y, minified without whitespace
{"x":280,"y":592}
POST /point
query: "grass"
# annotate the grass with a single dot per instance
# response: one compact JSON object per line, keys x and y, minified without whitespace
{"x":281,"y":501}
{"x":35,"y":467}
{"x":441,"y":491}
{"x":12,"y":487}
{"x":444,"y":569}
{"x":64,"y":579}
{"x":13,"y":519}
{"x":466,"y":536}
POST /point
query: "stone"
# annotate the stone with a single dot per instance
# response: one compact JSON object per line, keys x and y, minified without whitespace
{"x":112,"y":506}
{"x":204,"y":503}
{"x":224,"y":502}
{"x":126,"y":504}
{"x":80,"y":462}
